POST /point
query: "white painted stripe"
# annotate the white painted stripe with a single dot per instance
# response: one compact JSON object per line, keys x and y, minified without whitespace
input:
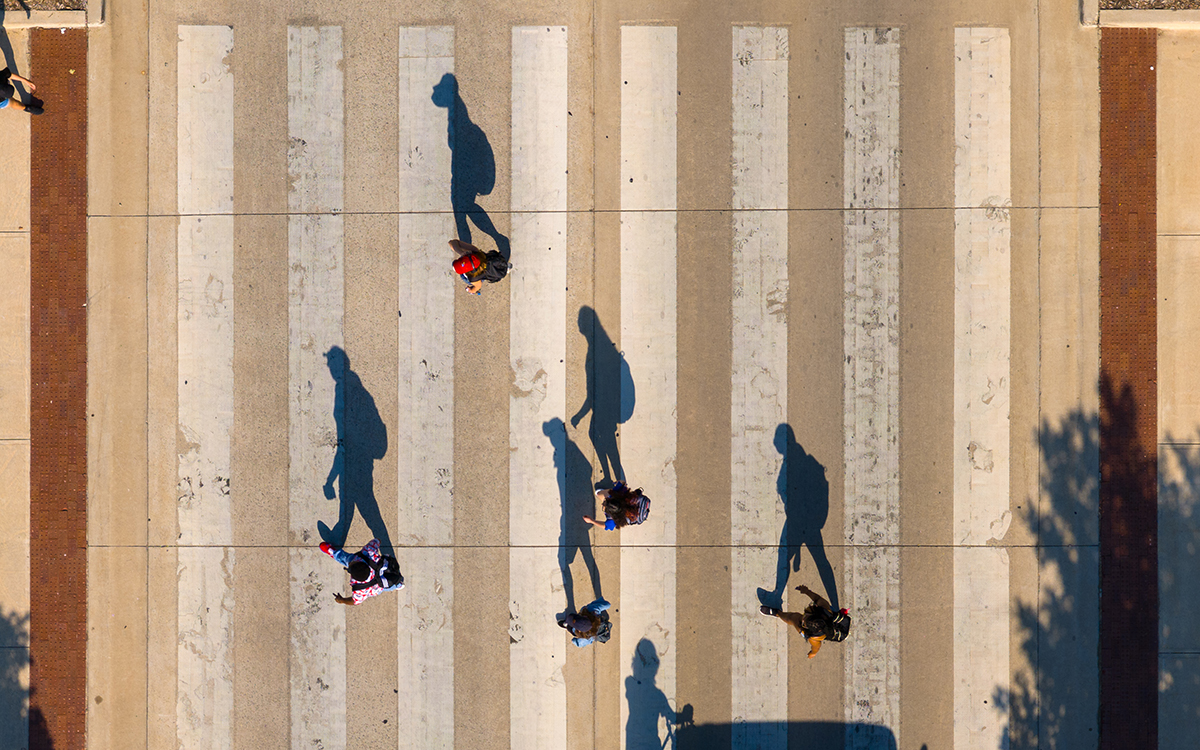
{"x":425,"y":435}
{"x":759,"y":670}
{"x":537,"y":345}
{"x":204,"y":703}
{"x":649,"y":104}
{"x":982,"y":283}
{"x":871,"y":380}
{"x":316,"y":301}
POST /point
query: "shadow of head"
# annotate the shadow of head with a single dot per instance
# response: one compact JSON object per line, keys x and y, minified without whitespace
{"x":554,"y":428}
{"x":337,"y":362}
{"x":446,"y":91}
{"x":645,"y":662}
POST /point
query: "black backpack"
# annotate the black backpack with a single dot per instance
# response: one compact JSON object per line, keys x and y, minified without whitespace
{"x":835,"y":626}
{"x":604,"y":631}
{"x":494,"y":267}
{"x":386,"y":572}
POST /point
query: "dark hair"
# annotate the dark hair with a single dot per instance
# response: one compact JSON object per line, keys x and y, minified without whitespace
{"x":621,"y":504}
{"x":359,"y":570}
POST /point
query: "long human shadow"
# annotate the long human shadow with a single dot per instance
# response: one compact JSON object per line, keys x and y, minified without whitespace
{"x":21,"y":725}
{"x":610,"y":394}
{"x":575,"y":493}
{"x":648,"y":703}
{"x":472,"y":165}
{"x":361,"y":441}
{"x":804,"y":491}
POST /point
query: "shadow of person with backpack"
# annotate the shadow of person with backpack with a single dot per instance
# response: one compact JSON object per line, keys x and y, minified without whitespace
{"x":648,"y":704}
{"x":574,"y":489}
{"x":472,"y":165}
{"x":361,"y":441}
{"x":804,"y":491}
{"x":610,"y":395}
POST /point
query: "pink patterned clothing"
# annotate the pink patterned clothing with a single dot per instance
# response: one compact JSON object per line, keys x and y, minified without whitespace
{"x":371,"y":554}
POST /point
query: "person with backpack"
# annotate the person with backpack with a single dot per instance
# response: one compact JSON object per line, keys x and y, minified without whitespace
{"x":371,"y":572}
{"x":622,"y":506}
{"x":589,"y":624}
{"x":818,"y":622}
{"x":475,"y":268}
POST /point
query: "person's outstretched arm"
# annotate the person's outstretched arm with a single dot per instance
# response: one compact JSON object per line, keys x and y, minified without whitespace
{"x":23,"y":80}
{"x":817,"y":599}
{"x":814,"y":646}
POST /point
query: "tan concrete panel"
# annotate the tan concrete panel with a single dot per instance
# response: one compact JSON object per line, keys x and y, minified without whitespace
{"x":1068,"y":103}
{"x":260,"y":128}
{"x":117,"y":379}
{"x":481,"y":646}
{"x":926,"y":646}
{"x":1024,"y":374}
{"x":118,"y":686}
{"x":14,"y":337}
{"x":14,"y":538}
{"x":926,"y":376}
{"x":1178,"y":339}
{"x":163,"y":43}
{"x":259,"y":443}
{"x":162,"y":426}
{"x":261,"y":698}
{"x":118,"y":102}
{"x":14,"y":135}
{"x":1178,"y":144}
{"x":162,"y":648}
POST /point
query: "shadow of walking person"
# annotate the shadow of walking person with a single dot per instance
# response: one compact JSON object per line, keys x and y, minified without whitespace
{"x":804,"y":492}
{"x":361,"y":441}
{"x":472,"y":165}
{"x":610,"y":395}
{"x":648,"y":704}
{"x":575,"y":492}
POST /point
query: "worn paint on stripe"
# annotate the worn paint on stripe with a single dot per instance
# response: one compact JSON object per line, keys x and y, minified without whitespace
{"x":204,"y":698}
{"x":982,"y":283}
{"x":537,"y":346}
{"x":871,"y":380}
{"x":759,"y":380}
{"x":316,"y":301}
{"x":425,"y":435}
{"x":649,"y":104}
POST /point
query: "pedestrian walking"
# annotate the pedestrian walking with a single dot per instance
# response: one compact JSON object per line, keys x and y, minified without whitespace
{"x":475,"y":267}
{"x":371,"y":572}
{"x":589,"y":624}
{"x":622,"y":507}
{"x":817,"y":623}
{"x":8,"y":93}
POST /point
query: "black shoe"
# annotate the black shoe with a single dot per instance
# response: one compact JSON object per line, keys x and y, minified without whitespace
{"x":34,"y":110}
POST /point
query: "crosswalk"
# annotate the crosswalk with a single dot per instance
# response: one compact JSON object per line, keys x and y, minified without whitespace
{"x":325,"y":397}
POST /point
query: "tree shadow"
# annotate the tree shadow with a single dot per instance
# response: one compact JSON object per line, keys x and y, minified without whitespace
{"x":20,"y":724}
{"x":472,"y":165}
{"x":575,"y":493}
{"x":648,"y":704}
{"x":361,"y":441}
{"x":800,"y":734}
{"x":1108,"y":633}
{"x":804,"y":491}
{"x":610,"y":395}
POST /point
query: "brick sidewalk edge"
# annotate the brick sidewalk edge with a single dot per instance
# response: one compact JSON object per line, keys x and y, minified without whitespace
{"x":1129,"y":390}
{"x":58,"y":393}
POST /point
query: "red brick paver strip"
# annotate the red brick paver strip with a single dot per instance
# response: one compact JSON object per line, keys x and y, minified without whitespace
{"x":58,"y":392}
{"x":1129,"y":390}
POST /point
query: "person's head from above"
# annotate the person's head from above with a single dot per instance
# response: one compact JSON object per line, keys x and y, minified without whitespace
{"x":579,"y":623}
{"x":359,"y":571}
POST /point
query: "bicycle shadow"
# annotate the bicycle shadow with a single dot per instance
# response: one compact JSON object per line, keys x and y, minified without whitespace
{"x":361,"y":441}
{"x":648,"y":703}
{"x":472,"y":165}
{"x":21,"y":724}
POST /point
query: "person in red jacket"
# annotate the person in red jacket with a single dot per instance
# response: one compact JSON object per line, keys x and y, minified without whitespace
{"x":371,"y":572}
